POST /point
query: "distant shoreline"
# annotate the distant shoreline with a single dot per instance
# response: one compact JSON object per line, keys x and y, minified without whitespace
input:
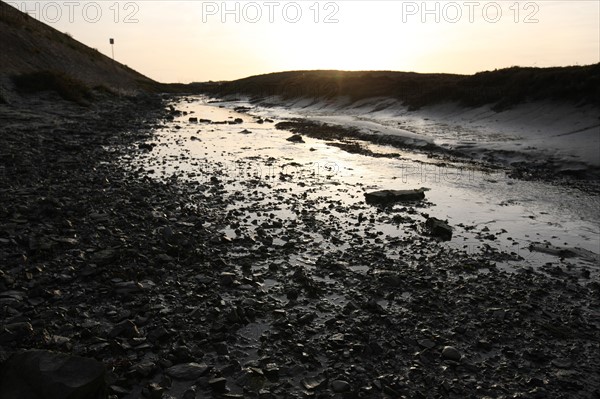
{"x":502,"y":89}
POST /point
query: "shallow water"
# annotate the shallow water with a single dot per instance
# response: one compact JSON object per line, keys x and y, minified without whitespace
{"x":268,"y":178}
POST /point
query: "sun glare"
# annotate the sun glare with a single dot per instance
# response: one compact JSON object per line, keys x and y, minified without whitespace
{"x":359,"y":40}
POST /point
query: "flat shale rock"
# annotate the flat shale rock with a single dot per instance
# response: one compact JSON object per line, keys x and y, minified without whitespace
{"x":187,"y":371}
{"x":391,"y":196}
{"x":311,"y":383}
{"x":49,"y":375}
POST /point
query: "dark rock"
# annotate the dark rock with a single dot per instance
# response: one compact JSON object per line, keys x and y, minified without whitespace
{"x":43,"y":375}
{"x":228,"y":278}
{"x":125,"y":329}
{"x":127,"y":287}
{"x":252,"y":379}
{"x":271,"y":371}
{"x":146,"y":146}
{"x":311,"y":383}
{"x":187,"y":371}
{"x":438,"y":228}
{"x":218,"y":384}
{"x":391,"y":196}
{"x":451,"y":353}
{"x":221,"y":348}
{"x":14,"y":294}
{"x":193,"y":120}
{"x":15,"y":331}
{"x":426,"y":343}
{"x":292,"y":294}
{"x":498,"y":314}
{"x":158,"y":334}
{"x":561,"y":252}
{"x":143,"y":369}
{"x":189,"y":394}
{"x":340,"y":386}
{"x":154,"y":391}
{"x":562,"y":363}
{"x":296,"y":138}
{"x":104,"y":256}
{"x":245,"y":131}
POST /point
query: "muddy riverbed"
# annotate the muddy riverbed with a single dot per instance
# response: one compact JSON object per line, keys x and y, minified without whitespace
{"x":529,"y":223}
{"x":215,"y":258}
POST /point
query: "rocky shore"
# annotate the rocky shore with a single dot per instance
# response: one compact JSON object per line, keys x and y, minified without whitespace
{"x":126,"y":282}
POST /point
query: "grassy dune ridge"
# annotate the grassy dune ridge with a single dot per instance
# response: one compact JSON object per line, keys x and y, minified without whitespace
{"x":32,"y":49}
{"x":502,"y":88}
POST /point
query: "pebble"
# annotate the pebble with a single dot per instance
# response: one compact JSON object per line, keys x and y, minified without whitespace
{"x":125,"y":329}
{"x":312,"y":383}
{"x":451,"y":353}
{"x":296,"y":138}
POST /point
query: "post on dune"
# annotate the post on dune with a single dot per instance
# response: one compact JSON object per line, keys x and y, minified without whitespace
{"x":112,"y":46}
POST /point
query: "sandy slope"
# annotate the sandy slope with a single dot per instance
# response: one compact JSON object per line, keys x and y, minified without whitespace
{"x":564,"y":134}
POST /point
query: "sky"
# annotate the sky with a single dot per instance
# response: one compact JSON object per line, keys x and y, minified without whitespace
{"x":196,"y":41}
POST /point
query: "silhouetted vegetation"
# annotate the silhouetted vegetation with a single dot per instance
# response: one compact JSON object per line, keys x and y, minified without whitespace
{"x":67,"y":87}
{"x":500,"y":88}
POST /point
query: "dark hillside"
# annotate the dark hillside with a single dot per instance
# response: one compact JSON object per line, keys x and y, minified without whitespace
{"x":29,"y":46}
{"x":502,"y":88}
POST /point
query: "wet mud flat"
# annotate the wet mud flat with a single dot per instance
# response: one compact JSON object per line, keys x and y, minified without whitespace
{"x":200,"y":283}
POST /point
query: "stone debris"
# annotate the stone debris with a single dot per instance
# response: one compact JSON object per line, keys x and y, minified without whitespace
{"x":128,"y":284}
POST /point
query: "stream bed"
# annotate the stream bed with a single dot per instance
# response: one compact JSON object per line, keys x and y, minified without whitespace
{"x":271,"y":181}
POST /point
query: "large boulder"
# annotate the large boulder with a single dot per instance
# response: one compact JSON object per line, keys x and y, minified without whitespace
{"x":40,"y":374}
{"x":384,"y":197}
